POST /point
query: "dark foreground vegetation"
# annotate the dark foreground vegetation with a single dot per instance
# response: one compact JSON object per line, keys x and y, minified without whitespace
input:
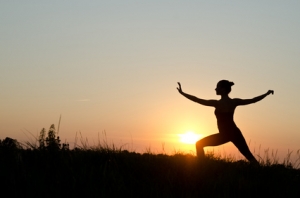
{"x":57,"y":171}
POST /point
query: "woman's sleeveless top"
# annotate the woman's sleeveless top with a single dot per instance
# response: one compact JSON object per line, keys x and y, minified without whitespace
{"x":225,"y":122}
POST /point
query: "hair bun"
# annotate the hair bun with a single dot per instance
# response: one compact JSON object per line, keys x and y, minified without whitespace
{"x":226,"y":84}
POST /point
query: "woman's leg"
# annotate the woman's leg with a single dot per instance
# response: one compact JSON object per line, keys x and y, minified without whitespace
{"x":240,"y":142}
{"x":212,"y":140}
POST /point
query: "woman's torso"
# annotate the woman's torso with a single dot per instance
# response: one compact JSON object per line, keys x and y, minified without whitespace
{"x":224,"y":113}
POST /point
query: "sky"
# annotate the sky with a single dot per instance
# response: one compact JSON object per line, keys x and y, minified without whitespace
{"x":110,"y":70}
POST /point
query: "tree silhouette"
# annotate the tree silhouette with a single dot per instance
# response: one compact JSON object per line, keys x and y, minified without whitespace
{"x":10,"y":143}
{"x":51,"y":142}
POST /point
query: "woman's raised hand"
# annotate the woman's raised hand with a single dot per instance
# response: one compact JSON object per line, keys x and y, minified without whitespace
{"x":179,"y":88}
{"x":270,"y":92}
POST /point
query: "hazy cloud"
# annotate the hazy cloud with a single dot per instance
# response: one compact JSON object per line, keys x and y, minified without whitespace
{"x":83,"y":100}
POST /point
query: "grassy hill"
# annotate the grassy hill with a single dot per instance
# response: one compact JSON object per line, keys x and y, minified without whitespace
{"x":105,"y":172}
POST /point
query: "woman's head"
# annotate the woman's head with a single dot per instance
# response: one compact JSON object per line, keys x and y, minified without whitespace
{"x":224,"y":87}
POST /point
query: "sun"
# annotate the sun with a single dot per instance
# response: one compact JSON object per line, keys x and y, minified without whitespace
{"x":189,"y":137}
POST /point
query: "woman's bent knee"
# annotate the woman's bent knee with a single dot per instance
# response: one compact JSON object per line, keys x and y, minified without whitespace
{"x":199,"y":144}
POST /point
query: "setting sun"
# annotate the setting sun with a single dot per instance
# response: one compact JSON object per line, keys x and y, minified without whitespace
{"x":189,"y":137}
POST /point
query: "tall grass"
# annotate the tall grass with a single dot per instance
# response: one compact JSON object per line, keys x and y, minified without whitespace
{"x":104,"y":172}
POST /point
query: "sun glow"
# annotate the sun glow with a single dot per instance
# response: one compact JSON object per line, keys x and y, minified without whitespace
{"x":189,"y":137}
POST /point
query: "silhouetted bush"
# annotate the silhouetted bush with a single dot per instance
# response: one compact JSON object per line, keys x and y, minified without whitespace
{"x":51,"y":142}
{"x":10,"y":143}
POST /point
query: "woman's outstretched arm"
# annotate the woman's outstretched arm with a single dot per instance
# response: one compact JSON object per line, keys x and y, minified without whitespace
{"x":195,"y":99}
{"x":253,"y":100}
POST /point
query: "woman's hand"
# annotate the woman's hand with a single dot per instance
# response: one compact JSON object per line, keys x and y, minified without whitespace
{"x":270,"y":92}
{"x":179,"y":88}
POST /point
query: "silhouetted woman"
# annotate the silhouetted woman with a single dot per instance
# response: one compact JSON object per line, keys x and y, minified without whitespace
{"x":224,"y":110}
